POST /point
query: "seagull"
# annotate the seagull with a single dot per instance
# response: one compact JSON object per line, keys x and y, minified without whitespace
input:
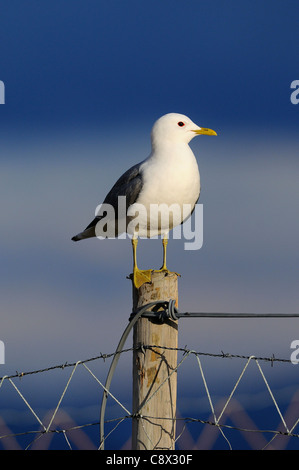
{"x":167,"y":178}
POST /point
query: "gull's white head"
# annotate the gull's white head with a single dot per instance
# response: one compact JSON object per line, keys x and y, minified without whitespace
{"x":176,"y":128}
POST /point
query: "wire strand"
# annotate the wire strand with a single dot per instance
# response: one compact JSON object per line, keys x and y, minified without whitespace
{"x":165,"y":311}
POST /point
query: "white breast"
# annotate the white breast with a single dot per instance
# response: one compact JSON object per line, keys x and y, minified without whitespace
{"x":171,"y":182}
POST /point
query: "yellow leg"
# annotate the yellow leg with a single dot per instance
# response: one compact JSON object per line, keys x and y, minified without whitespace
{"x":164,"y":243}
{"x":139,"y":276}
{"x":164,"y":267}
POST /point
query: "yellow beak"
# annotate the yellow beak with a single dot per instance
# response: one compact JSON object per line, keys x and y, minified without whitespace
{"x":205,"y":131}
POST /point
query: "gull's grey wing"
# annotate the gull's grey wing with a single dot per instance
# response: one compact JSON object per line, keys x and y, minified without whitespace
{"x":128,"y":185}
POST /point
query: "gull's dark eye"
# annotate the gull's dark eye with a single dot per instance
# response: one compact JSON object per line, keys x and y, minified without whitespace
{"x":181,"y":123}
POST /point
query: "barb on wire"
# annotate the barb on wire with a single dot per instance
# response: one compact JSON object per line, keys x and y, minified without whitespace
{"x":162,"y":311}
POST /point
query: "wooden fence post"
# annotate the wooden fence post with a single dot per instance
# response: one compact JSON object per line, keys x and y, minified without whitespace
{"x":154,"y":427}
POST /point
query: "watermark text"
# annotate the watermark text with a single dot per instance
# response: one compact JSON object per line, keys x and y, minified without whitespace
{"x":295,"y":354}
{"x":2,"y":92}
{"x":151,"y":221}
{"x":295,"y":94}
{"x":2,"y":352}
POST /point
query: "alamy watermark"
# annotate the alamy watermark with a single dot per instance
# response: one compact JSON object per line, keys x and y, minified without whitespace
{"x":151,"y":221}
{"x":2,"y":92}
{"x":295,"y":94}
{"x":2,"y":352}
{"x":295,"y":354}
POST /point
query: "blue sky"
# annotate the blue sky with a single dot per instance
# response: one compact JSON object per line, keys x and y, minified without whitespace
{"x":93,"y":62}
{"x":84,"y":82}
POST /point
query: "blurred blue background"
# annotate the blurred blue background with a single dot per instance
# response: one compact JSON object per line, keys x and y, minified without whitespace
{"x":84,"y":83}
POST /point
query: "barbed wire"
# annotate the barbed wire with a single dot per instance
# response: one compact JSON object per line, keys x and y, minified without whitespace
{"x":184,"y":350}
{"x":186,"y":420}
{"x":103,"y":357}
{"x":52,"y":426}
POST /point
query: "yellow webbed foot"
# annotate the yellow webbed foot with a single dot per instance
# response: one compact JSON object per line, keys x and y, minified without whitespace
{"x":141,"y":276}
